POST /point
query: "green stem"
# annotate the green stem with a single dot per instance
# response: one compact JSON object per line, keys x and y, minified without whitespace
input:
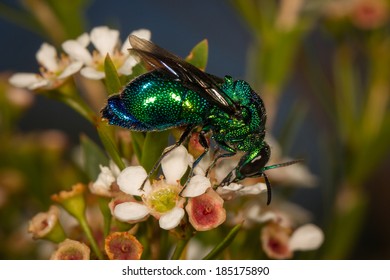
{"x":224,"y":244}
{"x":180,"y":248}
{"x":103,"y":205}
{"x":187,"y":232}
{"x":87,"y":230}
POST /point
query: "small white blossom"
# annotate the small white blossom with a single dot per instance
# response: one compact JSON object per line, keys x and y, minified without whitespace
{"x":102,"y":185}
{"x":282,"y":212}
{"x":54,"y":70}
{"x":107,"y":176}
{"x":160,"y":199}
{"x":105,"y":41}
{"x":279,"y":243}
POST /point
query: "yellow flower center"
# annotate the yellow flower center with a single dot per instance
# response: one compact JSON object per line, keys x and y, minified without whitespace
{"x":163,"y":199}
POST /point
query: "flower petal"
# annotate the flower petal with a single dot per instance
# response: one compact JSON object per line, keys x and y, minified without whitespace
{"x":253,"y":189}
{"x":47,"y":57}
{"x":131,"y":179}
{"x":130,"y":211}
{"x":83,"y":39}
{"x":197,"y":186}
{"x":206,"y":211}
{"x":103,"y":182}
{"x":307,"y":237}
{"x":92,"y":73}
{"x":233,"y":187}
{"x":140,"y":33}
{"x":294,"y":175}
{"x":71,"y":250}
{"x":175,"y":164}
{"x":77,"y":51}
{"x":24,"y":80}
{"x":104,"y":39}
{"x":71,"y":69}
{"x":39,"y":84}
{"x":275,"y":241}
{"x":127,"y":66}
{"x":255,"y":214}
{"x":172,"y":218}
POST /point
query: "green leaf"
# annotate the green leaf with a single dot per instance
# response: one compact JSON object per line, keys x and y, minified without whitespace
{"x":113,"y":83}
{"x":93,"y":156}
{"x":108,"y":142}
{"x":154,"y":145}
{"x":199,"y":55}
{"x":224,"y":244}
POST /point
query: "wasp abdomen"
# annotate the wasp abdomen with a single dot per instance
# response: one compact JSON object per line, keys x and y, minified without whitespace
{"x":154,"y":101}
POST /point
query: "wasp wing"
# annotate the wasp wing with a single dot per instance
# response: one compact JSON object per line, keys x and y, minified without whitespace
{"x":204,"y":84}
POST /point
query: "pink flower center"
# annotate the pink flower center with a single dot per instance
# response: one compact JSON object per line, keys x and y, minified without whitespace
{"x":204,"y":212}
{"x":277,"y":247}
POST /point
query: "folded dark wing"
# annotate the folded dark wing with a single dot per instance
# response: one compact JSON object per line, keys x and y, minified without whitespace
{"x":206,"y":85}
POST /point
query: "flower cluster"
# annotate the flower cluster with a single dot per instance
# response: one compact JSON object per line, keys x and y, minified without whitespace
{"x":55,"y":68}
{"x":164,"y":199}
{"x":167,"y":201}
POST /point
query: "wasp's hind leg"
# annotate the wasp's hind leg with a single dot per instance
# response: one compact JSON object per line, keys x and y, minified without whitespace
{"x":183,"y":138}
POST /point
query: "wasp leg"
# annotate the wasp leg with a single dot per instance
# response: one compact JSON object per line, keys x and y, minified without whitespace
{"x":269,"y":189}
{"x":230,"y":152}
{"x":204,"y":144}
{"x":183,"y":138}
{"x":227,"y":180}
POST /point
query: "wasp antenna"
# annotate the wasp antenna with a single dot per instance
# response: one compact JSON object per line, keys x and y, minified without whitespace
{"x":269,"y":190}
{"x":282,"y":164}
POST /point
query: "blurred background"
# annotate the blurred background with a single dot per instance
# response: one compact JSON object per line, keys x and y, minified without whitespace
{"x":322,"y":68}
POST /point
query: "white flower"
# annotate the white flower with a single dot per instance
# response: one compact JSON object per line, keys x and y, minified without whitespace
{"x":102,"y":185}
{"x":54,"y":70}
{"x":160,"y":199}
{"x":285,"y":213}
{"x":278,"y":242}
{"x":105,"y":41}
{"x":286,"y":228}
{"x":107,"y":176}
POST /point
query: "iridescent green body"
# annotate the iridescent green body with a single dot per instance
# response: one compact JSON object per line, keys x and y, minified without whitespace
{"x":177,"y":94}
{"x":155,"y":101}
{"x":158,"y":103}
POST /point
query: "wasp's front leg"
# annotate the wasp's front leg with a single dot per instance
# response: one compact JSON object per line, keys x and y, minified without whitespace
{"x":183,"y":137}
{"x":230,"y":152}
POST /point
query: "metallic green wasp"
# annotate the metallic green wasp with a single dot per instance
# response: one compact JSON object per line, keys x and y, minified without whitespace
{"x":177,"y":94}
